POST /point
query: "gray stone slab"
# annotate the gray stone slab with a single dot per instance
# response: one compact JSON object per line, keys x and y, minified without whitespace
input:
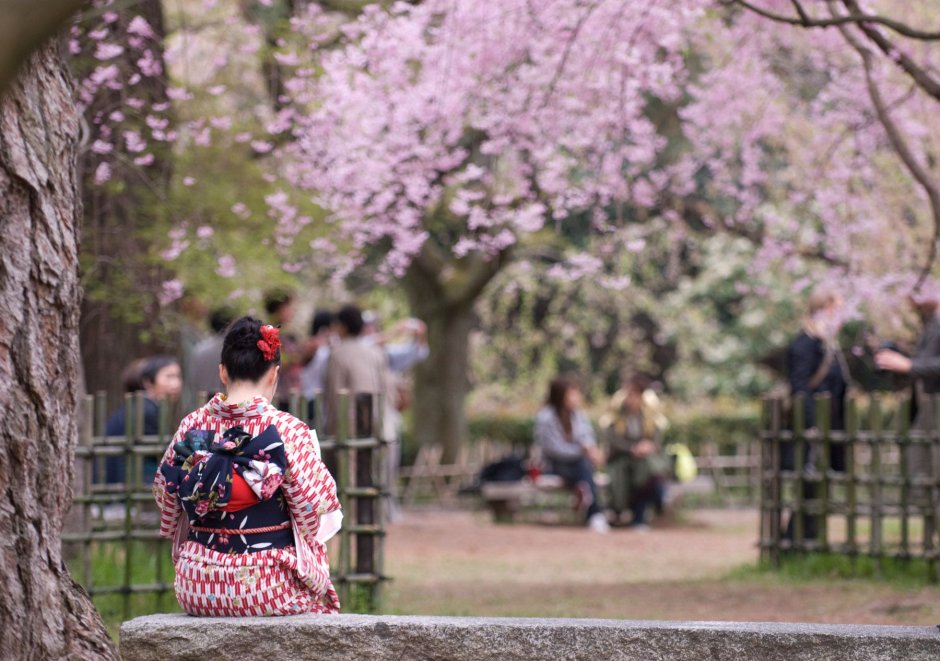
{"x":341,"y":637}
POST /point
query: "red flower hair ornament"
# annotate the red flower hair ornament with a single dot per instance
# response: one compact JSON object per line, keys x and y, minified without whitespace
{"x":270,"y":341}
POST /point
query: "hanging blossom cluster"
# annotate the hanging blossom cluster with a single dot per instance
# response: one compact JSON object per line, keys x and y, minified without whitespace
{"x":484,"y":121}
{"x":783,"y":131}
{"x":118,"y":55}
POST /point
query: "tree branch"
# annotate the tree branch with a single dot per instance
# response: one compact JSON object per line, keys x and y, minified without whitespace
{"x":898,"y":142}
{"x":920,"y":75}
{"x":857,"y":17}
{"x":702,"y":210}
{"x":466,"y":281}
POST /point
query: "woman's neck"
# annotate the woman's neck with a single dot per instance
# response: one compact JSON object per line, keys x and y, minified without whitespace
{"x":244,"y":391}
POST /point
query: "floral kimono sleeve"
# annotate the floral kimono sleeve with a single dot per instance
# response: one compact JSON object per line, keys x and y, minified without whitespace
{"x":309,"y":489}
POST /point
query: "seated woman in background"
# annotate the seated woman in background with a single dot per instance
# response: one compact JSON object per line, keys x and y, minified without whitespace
{"x":245,"y":497}
{"x":564,"y":435}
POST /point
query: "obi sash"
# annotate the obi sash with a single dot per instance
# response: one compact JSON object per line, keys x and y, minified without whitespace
{"x":202,"y":475}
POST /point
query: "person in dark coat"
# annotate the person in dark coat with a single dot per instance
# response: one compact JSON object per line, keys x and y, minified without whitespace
{"x":815,"y":365}
{"x":924,"y":369}
{"x":924,"y":366}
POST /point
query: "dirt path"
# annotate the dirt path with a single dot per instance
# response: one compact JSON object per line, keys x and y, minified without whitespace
{"x":459,"y":563}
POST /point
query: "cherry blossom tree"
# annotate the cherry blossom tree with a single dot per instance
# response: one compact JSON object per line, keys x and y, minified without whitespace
{"x":447,"y":140}
{"x":829,"y":150}
{"x":456,"y":134}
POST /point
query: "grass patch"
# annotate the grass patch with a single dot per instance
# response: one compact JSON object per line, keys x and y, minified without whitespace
{"x":135,"y":570}
{"x":813,"y":567}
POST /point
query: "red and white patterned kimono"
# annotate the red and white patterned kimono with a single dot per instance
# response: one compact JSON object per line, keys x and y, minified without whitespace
{"x":282,"y":581}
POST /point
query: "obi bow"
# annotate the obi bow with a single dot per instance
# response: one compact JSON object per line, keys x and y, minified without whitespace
{"x":204,"y":466}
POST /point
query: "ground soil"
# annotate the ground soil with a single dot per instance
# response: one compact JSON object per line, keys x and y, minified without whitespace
{"x":460,"y":563}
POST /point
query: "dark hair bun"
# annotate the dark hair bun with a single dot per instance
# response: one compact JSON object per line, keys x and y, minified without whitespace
{"x":242,"y":358}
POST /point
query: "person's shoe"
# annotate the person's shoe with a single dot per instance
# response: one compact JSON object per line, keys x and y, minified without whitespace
{"x":639,"y":527}
{"x":598,"y":523}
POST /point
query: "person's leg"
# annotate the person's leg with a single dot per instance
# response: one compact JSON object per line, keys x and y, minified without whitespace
{"x":579,"y":474}
{"x":659,"y":495}
{"x":586,"y":481}
{"x":638,"y":509}
{"x":393,"y":509}
{"x":642,"y":492}
{"x":619,"y":484}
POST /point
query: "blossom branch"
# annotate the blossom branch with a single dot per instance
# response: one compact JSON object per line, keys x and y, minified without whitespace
{"x":917,"y":170}
{"x":921,"y":76}
{"x":855,"y":17}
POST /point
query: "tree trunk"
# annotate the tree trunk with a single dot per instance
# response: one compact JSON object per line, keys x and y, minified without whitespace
{"x":442,"y":381}
{"x":45,"y":614}
{"x":442,"y":292}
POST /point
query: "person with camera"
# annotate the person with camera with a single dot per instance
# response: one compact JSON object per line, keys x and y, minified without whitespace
{"x":924,"y":369}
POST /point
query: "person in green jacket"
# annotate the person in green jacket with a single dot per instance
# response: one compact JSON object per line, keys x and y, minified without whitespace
{"x":634,"y":424}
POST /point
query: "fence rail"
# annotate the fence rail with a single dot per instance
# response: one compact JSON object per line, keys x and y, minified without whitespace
{"x":124,"y":514}
{"x":880,"y":501}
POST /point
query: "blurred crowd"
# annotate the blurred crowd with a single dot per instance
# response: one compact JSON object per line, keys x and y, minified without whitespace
{"x":346,"y":350}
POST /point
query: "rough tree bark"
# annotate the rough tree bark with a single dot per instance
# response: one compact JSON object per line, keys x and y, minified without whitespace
{"x":442,"y":293}
{"x":45,"y":614}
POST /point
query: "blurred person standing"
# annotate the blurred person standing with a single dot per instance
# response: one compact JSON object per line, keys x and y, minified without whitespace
{"x":405,"y":343}
{"x":313,"y":373}
{"x":924,"y":369}
{"x":358,"y":367}
{"x":201,"y":369}
{"x":816,"y":365}
{"x":924,"y":366}
{"x":404,"y":346}
{"x":279,"y":305}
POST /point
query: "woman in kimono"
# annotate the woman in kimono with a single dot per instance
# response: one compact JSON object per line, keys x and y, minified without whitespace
{"x":245,"y":497}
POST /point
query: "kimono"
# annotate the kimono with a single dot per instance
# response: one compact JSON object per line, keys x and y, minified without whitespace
{"x":249,"y":505}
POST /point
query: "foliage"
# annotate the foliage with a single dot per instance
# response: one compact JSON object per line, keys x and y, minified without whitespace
{"x":728,"y":423}
{"x":514,"y":431}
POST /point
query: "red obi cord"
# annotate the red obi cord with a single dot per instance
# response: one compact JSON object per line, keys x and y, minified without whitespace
{"x":242,"y":495}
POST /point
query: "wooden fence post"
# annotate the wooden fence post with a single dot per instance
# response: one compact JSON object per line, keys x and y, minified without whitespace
{"x":367,"y":423}
{"x":342,"y":484}
{"x":776,"y":480}
{"x":905,"y":444}
{"x":799,"y":470}
{"x":823,"y":464}
{"x":877,"y":426}
{"x":851,"y":494}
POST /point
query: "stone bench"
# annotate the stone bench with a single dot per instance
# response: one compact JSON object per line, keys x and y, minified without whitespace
{"x":340,"y":637}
